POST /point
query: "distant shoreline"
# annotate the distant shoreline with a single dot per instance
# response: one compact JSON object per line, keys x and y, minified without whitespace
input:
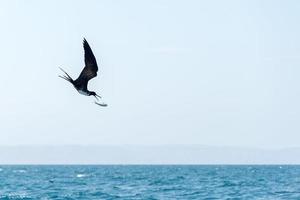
{"x":145,"y":155}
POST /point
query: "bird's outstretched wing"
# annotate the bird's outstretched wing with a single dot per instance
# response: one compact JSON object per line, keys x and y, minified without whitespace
{"x":91,"y":68}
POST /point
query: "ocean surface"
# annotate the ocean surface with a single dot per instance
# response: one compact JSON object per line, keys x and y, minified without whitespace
{"x":149,"y":182}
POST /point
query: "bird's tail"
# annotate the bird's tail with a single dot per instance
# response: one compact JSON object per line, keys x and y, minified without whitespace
{"x":66,"y":76}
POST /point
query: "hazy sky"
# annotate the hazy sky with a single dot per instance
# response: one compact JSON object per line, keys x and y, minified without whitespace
{"x":172,"y":72}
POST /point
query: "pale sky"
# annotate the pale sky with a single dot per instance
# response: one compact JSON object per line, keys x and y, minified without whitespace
{"x":221,"y":73}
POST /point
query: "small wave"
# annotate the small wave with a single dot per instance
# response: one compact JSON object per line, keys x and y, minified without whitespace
{"x":20,"y":171}
{"x":81,"y":175}
{"x":16,"y":195}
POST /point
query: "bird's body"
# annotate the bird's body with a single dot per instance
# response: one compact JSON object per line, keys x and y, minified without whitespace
{"x":89,"y":71}
{"x":83,"y":92}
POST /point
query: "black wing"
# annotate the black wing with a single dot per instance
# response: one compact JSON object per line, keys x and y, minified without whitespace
{"x":91,"y":68}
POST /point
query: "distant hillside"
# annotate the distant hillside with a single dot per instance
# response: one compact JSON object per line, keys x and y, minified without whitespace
{"x":169,"y":154}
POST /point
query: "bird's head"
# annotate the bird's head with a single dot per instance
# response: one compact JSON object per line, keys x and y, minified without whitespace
{"x":95,"y":95}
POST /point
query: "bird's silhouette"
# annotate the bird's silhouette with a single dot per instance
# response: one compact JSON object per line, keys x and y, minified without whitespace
{"x":89,"y":71}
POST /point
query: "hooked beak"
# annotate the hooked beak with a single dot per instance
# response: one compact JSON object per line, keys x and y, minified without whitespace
{"x":101,"y":104}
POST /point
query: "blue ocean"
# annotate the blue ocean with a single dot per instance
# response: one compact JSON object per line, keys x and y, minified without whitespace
{"x":149,"y":182}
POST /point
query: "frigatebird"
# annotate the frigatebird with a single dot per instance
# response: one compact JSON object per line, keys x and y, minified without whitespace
{"x":88,"y":72}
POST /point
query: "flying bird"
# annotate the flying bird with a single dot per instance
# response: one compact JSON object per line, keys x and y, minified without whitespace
{"x":89,"y":71}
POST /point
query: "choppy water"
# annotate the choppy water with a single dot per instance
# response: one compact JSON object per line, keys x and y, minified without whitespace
{"x":149,"y":182}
